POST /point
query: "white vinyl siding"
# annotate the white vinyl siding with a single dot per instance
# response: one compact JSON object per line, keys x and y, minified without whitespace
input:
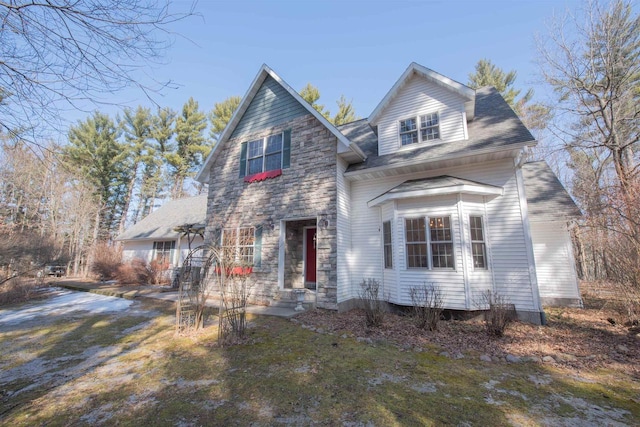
{"x":507,"y":259}
{"x":143,"y":249}
{"x":417,"y":98}
{"x":554,"y":260}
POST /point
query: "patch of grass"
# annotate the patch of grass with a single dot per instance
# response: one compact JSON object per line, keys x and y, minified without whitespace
{"x":283,"y":374}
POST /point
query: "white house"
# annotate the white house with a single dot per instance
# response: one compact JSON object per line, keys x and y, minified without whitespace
{"x":161,"y":234}
{"x":431,"y":188}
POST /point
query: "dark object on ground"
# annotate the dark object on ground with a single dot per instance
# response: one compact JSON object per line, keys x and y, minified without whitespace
{"x":54,"y":270}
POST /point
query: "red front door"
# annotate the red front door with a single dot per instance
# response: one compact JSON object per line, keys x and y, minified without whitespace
{"x":310,"y":256}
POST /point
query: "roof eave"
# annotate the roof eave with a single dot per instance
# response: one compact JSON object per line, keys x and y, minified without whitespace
{"x":514,"y":147}
{"x":478,"y":189}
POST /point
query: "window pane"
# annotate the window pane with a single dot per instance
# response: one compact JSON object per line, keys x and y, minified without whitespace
{"x":479,"y":258}
{"x":255,"y":149}
{"x":255,"y":166}
{"x":429,"y":120}
{"x":274,"y":144}
{"x":407,"y":125}
{"x":430,"y":133}
{"x":388,"y":248}
{"x":442,"y":255}
{"x":409,"y":138}
{"x":273,"y":162}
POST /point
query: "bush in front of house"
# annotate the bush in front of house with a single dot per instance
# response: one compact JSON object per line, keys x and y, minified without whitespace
{"x":428,"y":305}
{"x":137,"y":271}
{"x":499,"y":312}
{"x":373,"y":306}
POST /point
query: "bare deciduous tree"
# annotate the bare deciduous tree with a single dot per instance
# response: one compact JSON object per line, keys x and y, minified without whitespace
{"x":592,"y":60}
{"x":58,"y":54}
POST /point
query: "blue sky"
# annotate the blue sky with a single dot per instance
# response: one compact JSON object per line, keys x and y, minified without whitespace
{"x":355,"y":48}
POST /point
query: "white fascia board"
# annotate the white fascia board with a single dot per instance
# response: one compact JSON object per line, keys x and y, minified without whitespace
{"x":481,"y":190}
{"x":203,"y":174}
{"x":435,"y":77}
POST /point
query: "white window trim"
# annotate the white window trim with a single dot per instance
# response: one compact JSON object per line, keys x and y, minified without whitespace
{"x":419,"y":130}
{"x":264,"y":153}
{"x":430,"y":266}
{"x":485,"y":241}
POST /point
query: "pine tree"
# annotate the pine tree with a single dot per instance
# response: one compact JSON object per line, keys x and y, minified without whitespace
{"x":137,"y":131}
{"x":191,"y":146}
{"x":311,"y":94}
{"x":345,"y":112}
{"x":96,"y":156}
{"x":221,"y":114}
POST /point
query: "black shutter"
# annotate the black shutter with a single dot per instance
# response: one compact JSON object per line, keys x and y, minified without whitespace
{"x":286,"y":149}
{"x":243,"y":160}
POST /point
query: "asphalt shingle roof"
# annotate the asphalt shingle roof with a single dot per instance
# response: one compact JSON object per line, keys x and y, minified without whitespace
{"x":495,"y":126}
{"x":159,"y":224}
{"x":547,"y":199}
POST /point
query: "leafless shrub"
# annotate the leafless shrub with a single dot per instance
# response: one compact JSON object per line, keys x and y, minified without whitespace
{"x":427,"y":304}
{"x":158,"y":272}
{"x":235,"y":298}
{"x":106,"y":261}
{"x":499,"y":312}
{"x":135,"y":271}
{"x":18,"y":289}
{"x":373,"y":306}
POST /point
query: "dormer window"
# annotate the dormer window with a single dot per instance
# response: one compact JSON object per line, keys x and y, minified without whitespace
{"x":429,"y":129}
{"x":408,"y":131}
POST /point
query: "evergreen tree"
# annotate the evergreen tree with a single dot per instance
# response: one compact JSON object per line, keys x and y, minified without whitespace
{"x":191,"y":146}
{"x":345,"y":112}
{"x":311,"y":94}
{"x":534,"y":116}
{"x":96,"y":156}
{"x":137,"y":131}
{"x":221,"y":114}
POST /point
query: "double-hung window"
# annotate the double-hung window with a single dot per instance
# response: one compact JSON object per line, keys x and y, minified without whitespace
{"x":478,"y":245}
{"x":419,"y":129}
{"x":270,"y":153}
{"x":162,"y":251}
{"x":416,"y":236}
{"x":238,"y":245}
{"x":264,"y":154}
{"x":441,"y":242}
{"x":388,"y":244}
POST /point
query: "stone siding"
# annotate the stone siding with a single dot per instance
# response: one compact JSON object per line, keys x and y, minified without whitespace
{"x":305,"y":190}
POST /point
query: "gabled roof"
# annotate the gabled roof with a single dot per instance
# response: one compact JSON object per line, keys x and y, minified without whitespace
{"x":344,"y":145}
{"x":496,"y":127}
{"x":547,"y":199}
{"x":435,"y":186}
{"x":160,"y":223}
{"x":416,"y":69}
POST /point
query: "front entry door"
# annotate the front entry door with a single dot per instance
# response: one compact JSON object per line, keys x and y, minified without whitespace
{"x":310,"y":258}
